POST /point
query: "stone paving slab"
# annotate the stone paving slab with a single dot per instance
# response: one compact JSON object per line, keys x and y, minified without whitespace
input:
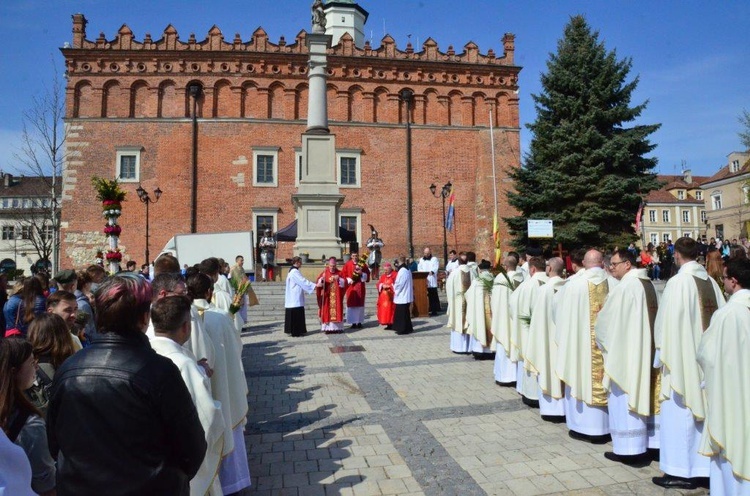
{"x":406,"y":416}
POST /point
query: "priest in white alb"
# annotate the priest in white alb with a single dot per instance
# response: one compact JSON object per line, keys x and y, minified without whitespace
{"x":689,"y":300}
{"x":625,"y":334}
{"x":723,"y":356}
{"x":579,"y":361}
{"x":228,"y":382}
{"x":170,"y":317}
{"x":479,"y":313}
{"x":504,"y":370}
{"x":541,"y":352}
{"x":521,"y":302}
{"x":456,"y":286}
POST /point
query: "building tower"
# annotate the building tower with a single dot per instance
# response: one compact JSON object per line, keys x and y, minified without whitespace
{"x":345,"y":16}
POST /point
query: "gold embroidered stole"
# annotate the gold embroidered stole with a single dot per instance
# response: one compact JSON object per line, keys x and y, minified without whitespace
{"x":332,"y":300}
{"x":652,"y":306}
{"x":706,"y":299}
{"x":488,"y":316}
{"x":597,"y":296}
{"x":465,"y":285}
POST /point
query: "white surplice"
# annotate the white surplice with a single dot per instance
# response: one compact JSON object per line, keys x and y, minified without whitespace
{"x":454,"y":287}
{"x":222,"y":299}
{"x":431,"y":265}
{"x":723,"y":356}
{"x":677,"y":334}
{"x":504,"y":369}
{"x":574,"y":353}
{"x":477,"y":320}
{"x":624,"y":334}
{"x":229,"y":379}
{"x":209,"y":413}
{"x":521,"y":303}
{"x":541,"y":352}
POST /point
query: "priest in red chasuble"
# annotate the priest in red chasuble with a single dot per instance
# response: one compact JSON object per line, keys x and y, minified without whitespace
{"x":330,"y":293}
{"x":357,"y":273}
{"x":386,"y":307}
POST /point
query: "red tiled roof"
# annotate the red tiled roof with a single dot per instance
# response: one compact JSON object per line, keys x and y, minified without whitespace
{"x":671,"y":182}
{"x":725,"y":174}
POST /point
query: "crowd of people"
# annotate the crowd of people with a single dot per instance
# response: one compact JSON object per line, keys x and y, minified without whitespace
{"x":123,"y":384}
{"x":593,"y":345}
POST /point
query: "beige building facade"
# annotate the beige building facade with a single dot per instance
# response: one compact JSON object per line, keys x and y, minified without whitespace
{"x":727,"y":198}
{"x":675,"y":210}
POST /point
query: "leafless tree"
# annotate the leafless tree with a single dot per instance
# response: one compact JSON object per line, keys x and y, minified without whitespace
{"x":42,"y":154}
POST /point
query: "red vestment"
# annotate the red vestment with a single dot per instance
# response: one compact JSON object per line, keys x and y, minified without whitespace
{"x":386,"y":308}
{"x":330,"y":297}
{"x":355,"y":292}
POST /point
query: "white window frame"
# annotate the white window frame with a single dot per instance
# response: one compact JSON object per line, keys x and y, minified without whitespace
{"x":352,"y":212}
{"x":745,"y":191}
{"x":128,"y":151}
{"x":357,"y":156}
{"x":680,"y":194}
{"x":665,"y":237}
{"x":652,"y":216}
{"x":716,"y":202}
{"x":686,"y":216}
{"x":704,"y":216}
{"x":687,"y":234}
{"x":8,"y":233}
{"x":735,"y":166}
{"x":699,"y":195}
{"x":266,"y":212}
{"x":266,"y":150}
{"x":665,"y":216}
{"x":654,"y":238}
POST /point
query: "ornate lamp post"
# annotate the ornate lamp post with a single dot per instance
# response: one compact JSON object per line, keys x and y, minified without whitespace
{"x":407,"y":96}
{"x":145,"y":198}
{"x":444,"y":193}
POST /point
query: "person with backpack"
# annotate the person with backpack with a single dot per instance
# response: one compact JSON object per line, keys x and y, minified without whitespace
{"x":19,"y":418}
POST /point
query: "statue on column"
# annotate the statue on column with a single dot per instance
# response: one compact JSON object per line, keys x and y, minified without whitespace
{"x":374,"y":244}
{"x":318,"y":17}
{"x":267,"y":247}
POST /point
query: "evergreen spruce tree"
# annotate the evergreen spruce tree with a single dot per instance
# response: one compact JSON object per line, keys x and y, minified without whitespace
{"x":585,"y":169}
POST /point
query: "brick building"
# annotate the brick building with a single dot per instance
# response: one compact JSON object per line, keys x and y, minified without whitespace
{"x":130,"y":114}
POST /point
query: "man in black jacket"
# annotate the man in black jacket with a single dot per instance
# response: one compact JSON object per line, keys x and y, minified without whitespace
{"x":121,"y":420}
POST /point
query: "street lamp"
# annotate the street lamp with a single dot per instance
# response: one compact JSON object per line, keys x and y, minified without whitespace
{"x":444,"y":193}
{"x":145,"y":198}
{"x":407,"y":97}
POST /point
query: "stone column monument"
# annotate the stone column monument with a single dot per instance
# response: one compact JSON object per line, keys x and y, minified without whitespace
{"x":318,"y":199}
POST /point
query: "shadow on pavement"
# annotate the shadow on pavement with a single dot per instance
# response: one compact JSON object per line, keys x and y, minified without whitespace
{"x":290,"y":444}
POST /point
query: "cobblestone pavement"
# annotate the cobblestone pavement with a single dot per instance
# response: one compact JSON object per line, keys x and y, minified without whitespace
{"x":406,"y":417}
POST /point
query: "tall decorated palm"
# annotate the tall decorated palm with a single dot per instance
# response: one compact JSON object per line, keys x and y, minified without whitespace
{"x":586,"y":168}
{"x":109,"y":193}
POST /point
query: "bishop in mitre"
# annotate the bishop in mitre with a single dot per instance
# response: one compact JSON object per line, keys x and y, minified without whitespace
{"x":625,"y":334}
{"x":723,"y":356}
{"x":521,"y":302}
{"x":541,"y":353}
{"x":479,"y":313}
{"x":579,"y":361}
{"x":170,"y":317}
{"x":689,"y":300}
{"x":505,"y":283}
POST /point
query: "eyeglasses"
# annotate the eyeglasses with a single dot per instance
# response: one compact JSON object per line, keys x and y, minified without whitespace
{"x":615,"y":264}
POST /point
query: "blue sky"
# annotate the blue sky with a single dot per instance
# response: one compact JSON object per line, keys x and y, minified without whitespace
{"x":692,"y":57}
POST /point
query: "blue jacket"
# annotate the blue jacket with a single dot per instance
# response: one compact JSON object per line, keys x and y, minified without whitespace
{"x":14,"y":309}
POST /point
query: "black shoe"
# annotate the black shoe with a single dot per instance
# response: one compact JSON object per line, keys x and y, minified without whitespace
{"x":672,"y":482}
{"x":530,"y":403}
{"x":554,"y":419}
{"x":603,"y":439}
{"x":506,"y":384}
{"x":388,"y":328}
{"x":637,"y":461}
